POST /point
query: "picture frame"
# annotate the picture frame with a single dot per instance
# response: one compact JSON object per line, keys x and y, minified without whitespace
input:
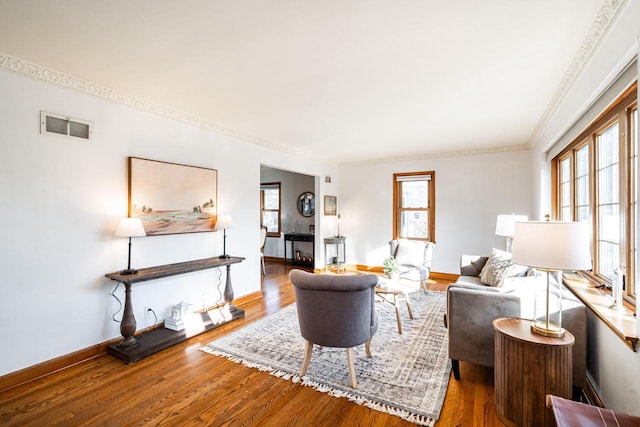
{"x":171,"y":198}
{"x":330,"y":205}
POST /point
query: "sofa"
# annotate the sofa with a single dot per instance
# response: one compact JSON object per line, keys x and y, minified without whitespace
{"x":472,"y":305}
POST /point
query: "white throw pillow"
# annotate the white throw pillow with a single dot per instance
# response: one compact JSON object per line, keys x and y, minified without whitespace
{"x":410,"y":252}
{"x":498,"y":267}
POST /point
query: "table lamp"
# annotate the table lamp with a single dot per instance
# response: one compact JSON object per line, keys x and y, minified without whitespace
{"x":551,"y":247}
{"x":130,"y":227}
{"x":505,"y":227}
{"x":225,"y":222}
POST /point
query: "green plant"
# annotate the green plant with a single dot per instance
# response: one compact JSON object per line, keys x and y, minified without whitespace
{"x":390,"y":265}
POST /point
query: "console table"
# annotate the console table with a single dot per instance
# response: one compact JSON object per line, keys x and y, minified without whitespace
{"x":337,"y":241}
{"x":131,"y":348}
{"x":299,"y":237}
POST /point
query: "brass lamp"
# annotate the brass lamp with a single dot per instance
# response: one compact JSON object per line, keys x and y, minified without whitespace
{"x":552,"y":247}
{"x":505,"y":227}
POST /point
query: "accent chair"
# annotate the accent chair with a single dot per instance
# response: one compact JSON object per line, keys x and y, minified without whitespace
{"x":335,"y":311}
{"x":263,"y":241}
{"x":414,"y":258}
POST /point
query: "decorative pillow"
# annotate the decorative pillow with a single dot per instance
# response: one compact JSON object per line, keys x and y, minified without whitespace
{"x":499,"y":267}
{"x":410,"y":252}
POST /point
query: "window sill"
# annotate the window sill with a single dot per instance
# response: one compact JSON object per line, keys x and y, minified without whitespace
{"x":622,"y":322}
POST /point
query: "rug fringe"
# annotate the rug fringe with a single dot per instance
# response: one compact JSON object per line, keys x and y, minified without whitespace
{"x":360,"y":400}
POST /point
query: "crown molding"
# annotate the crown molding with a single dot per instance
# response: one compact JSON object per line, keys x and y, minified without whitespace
{"x":608,"y":14}
{"x":46,"y":75}
{"x":438,"y":155}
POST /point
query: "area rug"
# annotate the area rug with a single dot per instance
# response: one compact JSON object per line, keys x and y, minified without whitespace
{"x":407,"y":376}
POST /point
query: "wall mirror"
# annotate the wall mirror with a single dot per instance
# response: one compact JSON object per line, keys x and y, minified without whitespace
{"x":306,"y":204}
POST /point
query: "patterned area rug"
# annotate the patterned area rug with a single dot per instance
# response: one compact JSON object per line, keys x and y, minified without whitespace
{"x":407,"y":376}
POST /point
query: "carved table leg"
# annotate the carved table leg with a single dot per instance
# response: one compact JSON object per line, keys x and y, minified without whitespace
{"x":128,"y":324}
{"x":228,"y":289}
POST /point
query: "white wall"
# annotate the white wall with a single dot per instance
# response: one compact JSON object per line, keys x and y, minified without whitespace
{"x":612,"y":367}
{"x":470,"y":193}
{"x":291,"y":187}
{"x":62,"y":199}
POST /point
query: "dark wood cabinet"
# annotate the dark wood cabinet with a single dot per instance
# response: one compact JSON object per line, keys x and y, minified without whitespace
{"x":292,"y":238}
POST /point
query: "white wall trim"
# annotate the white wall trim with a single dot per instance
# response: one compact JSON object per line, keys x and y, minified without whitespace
{"x":47,"y":75}
{"x":607,"y":16}
{"x":441,"y":155}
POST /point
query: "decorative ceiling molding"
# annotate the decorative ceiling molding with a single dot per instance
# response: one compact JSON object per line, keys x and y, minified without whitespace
{"x":439,"y":155}
{"x":607,"y":15}
{"x":36,"y":72}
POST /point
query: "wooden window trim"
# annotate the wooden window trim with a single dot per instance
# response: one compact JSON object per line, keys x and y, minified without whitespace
{"x":279,"y":210}
{"x":621,"y":322}
{"x":620,"y":111}
{"x":397,"y":200}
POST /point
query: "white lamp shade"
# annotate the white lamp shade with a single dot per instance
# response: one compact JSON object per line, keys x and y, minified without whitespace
{"x":225,"y":222}
{"x":505,"y":224}
{"x":552,"y":245}
{"x":130,"y":227}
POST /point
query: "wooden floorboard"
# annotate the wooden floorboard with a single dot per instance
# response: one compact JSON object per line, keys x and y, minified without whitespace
{"x":184,"y":386}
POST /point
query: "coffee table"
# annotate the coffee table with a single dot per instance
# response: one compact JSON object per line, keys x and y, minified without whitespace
{"x":390,"y":290}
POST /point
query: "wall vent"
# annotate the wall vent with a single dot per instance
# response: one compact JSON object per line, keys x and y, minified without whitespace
{"x":55,"y":124}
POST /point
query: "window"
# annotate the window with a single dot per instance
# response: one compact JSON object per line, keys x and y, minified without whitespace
{"x":595,"y":182}
{"x":270,"y":208}
{"x":608,"y":201}
{"x":414,"y":206}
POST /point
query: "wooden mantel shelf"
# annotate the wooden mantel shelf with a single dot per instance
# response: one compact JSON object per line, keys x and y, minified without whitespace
{"x":622,"y":322}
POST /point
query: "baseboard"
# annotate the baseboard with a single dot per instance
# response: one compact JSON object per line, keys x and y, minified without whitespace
{"x":60,"y":363}
{"x":590,"y":395}
{"x":246,"y":299}
{"x":368,"y":268}
{"x":443,"y":276}
{"x":48,"y":367}
{"x":432,"y":275}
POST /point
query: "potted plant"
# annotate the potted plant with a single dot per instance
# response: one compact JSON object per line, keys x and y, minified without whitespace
{"x":390,"y":266}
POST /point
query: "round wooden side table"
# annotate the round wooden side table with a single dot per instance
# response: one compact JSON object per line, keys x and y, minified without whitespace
{"x":529,"y":366}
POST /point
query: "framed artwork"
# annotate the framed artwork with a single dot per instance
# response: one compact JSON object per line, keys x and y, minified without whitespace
{"x":170,"y":198}
{"x":330,"y":205}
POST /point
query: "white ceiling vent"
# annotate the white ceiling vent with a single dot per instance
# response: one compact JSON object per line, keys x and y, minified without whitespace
{"x":56,"y":124}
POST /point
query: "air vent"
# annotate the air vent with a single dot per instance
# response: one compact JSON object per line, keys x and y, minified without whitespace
{"x":55,"y":124}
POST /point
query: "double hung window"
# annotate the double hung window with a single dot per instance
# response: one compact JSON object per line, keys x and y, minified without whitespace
{"x":414,"y":205}
{"x":270,"y":208}
{"x":596,"y":182}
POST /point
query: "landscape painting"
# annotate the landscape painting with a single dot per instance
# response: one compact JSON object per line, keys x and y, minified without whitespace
{"x":170,"y":198}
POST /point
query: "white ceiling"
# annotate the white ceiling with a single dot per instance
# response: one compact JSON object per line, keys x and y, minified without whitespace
{"x":355,"y":80}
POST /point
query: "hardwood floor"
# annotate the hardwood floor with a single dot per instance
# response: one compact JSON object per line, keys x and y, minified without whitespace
{"x":184,"y":386}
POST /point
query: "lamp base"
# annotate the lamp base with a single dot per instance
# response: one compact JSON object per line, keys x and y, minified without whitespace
{"x":128,"y":271}
{"x":224,"y":256}
{"x":617,"y":307}
{"x":547,"y":330}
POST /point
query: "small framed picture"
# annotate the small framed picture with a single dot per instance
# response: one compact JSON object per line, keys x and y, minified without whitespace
{"x":330,"y":205}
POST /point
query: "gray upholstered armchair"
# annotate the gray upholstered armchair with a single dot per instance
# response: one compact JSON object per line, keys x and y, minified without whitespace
{"x":335,"y":311}
{"x":414,"y":258}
